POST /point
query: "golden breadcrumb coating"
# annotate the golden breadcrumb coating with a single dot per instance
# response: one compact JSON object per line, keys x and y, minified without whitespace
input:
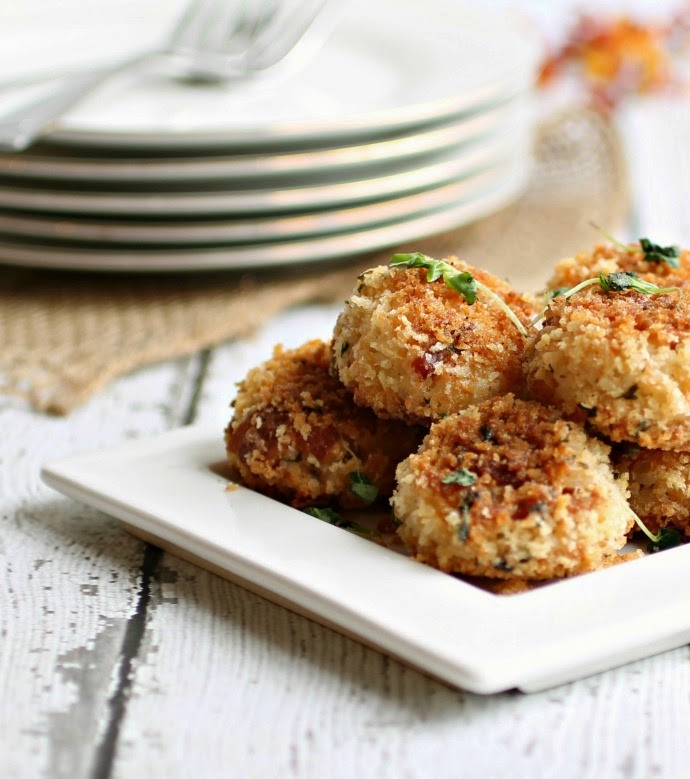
{"x":605,"y":258}
{"x":297,"y":434}
{"x":544,"y":501}
{"x":413,"y":349}
{"x":620,"y":361}
{"x":659,"y":486}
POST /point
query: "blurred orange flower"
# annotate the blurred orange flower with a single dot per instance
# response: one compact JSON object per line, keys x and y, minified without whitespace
{"x":612,"y":58}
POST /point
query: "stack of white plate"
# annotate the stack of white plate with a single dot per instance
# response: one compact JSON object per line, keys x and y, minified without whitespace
{"x":414,"y":118}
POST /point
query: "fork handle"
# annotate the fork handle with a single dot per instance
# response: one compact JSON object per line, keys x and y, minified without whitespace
{"x":21,"y":127}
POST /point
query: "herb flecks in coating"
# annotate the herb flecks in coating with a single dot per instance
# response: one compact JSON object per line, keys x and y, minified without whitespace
{"x":462,"y":476}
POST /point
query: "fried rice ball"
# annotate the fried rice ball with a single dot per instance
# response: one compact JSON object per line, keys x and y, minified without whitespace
{"x":659,"y":486}
{"x":620,"y":361}
{"x":605,"y":258}
{"x":510,"y":489}
{"x":413,"y":349}
{"x":296,"y":433}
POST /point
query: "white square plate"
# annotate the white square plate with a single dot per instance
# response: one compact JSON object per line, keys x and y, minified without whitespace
{"x":168,"y":490}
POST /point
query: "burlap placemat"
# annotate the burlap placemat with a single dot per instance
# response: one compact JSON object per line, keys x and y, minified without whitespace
{"x":65,"y":335}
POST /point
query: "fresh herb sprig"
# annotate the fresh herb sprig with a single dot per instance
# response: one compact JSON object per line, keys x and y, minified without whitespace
{"x":622,"y":281}
{"x":613,"y":282}
{"x":333,"y":518}
{"x":666,"y":538}
{"x":463,"y":282}
{"x":652,"y":252}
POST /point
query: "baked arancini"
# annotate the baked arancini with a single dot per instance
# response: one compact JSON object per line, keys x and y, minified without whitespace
{"x":510,"y":489}
{"x":416,"y":350}
{"x":618,"y":360}
{"x":297,"y":434}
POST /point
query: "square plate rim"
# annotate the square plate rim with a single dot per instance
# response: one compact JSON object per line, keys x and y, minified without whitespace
{"x":448,"y":628}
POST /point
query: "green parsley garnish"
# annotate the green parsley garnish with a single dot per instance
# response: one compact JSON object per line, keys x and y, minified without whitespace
{"x":463,"y":477}
{"x":621,"y":282}
{"x":462,"y":282}
{"x":326,"y":515}
{"x":655,"y":253}
{"x":363,"y":487}
{"x":652,"y":251}
{"x":666,"y":538}
{"x":613,"y":282}
{"x":333,"y":518}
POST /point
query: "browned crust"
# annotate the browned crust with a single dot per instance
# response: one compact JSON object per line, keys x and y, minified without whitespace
{"x":296,"y":433}
{"x":416,"y":350}
{"x":659,"y":486}
{"x":620,"y":361}
{"x":545,"y":502}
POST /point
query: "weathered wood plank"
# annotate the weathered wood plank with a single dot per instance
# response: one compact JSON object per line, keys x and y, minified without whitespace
{"x":71,"y":577}
{"x":252,"y":689}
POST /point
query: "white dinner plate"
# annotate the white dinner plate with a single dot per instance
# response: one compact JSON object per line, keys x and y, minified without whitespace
{"x":168,"y":489}
{"x":251,"y":229}
{"x":310,"y":249}
{"x":389,"y":65}
{"x":40,"y":40}
{"x":266,"y":196}
{"x":66,"y":163}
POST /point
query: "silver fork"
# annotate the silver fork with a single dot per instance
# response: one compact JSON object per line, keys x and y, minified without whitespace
{"x":214,"y":41}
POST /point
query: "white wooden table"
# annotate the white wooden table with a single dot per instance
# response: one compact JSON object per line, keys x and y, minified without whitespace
{"x":119,"y":660}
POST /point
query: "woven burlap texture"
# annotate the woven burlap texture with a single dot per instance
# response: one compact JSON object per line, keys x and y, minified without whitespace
{"x":65,"y":335}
